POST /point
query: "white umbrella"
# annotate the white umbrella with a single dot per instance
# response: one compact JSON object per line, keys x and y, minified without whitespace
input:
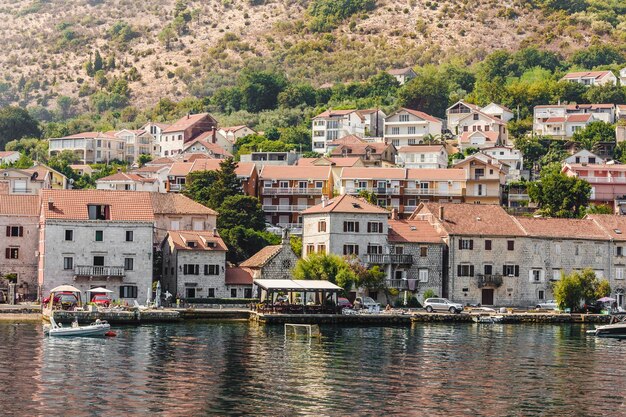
{"x":65,"y":288}
{"x":99,"y":289}
{"x":149,"y":298}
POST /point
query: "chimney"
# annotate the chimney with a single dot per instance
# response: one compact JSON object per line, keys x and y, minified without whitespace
{"x":119,"y":170}
{"x":323,"y":201}
{"x":394,"y":214}
{"x":187,"y":115}
{"x":214,"y":232}
{"x":50,"y":204}
{"x":441,"y":214}
{"x":214,"y":134}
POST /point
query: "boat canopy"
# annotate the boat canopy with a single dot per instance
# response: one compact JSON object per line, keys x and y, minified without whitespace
{"x":64,"y":288}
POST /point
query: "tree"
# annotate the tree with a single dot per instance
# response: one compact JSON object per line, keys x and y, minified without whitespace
{"x":166,"y":36}
{"x":97,"y":62}
{"x":226,"y":183}
{"x":558,"y":195}
{"x":241,"y":210}
{"x":596,"y":55}
{"x":603,"y":289}
{"x":260,"y":89}
{"x":243,"y":243}
{"x":297,"y":95}
{"x":568,"y":291}
{"x":64,"y":106}
{"x":296,"y":245}
{"x":599,"y":209}
{"x":427,"y":92}
{"x":328,"y":267}
{"x":594,"y":133}
{"x":143,"y":159}
{"x":607,"y":93}
{"x":16,"y":123}
{"x":368,"y":196}
{"x":199,"y":186}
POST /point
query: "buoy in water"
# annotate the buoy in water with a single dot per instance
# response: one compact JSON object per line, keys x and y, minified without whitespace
{"x":110,"y":333}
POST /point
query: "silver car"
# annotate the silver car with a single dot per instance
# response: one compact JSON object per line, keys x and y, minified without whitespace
{"x":548,"y":305}
{"x":442,"y":304}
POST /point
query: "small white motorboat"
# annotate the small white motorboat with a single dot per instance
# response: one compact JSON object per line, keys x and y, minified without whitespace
{"x":97,"y":328}
{"x":487,"y":319}
{"x":615,"y":328}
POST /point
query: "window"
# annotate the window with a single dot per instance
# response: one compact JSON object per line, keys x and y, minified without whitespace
{"x":233,"y":293}
{"x":15,"y":231}
{"x":488,"y":269}
{"x":310,"y":248}
{"x":488,"y":244}
{"x":592,"y":160}
{"x":12,"y":253}
{"x":267,"y":184}
{"x":319,"y":184}
{"x":321,"y":226}
{"x":423,"y":275}
{"x":423,"y":251}
{"x":576,"y":250}
{"x":211,"y":269}
{"x":541,"y":292}
{"x":556,"y":274}
{"x":486,"y":128}
{"x":99,"y":235}
{"x":69,"y":235}
{"x":404,"y":117}
{"x":411,"y":130}
{"x":98,"y":261}
{"x":351,"y":226}
{"x":175,"y":225}
{"x":129,"y":264}
{"x":375,"y":227}
{"x":395,"y":142}
{"x":475,"y":116}
{"x":465,"y":128}
{"x":211,"y":292}
{"x":465,"y":270}
{"x":510,"y":244}
{"x":129,"y":236}
{"x":321,"y":249}
{"x":510,"y":270}
{"x":68,"y":262}
{"x":557,"y":248}
{"x":619,"y":251}
{"x":536,"y":275}
{"x":374,"y":249}
{"x":619,"y":273}
{"x":466,"y":244}
{"x":350,"y":249}
{"x":395,"y":130}
{"x":128,"y":291}
{"x":98,"y":212}
{"x":191,"y":269}
{"x":247,"y":293}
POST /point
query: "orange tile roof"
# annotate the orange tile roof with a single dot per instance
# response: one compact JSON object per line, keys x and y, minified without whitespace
{"x":150,"y":168}
{"x":554,"y":120}
{"x":613,"y":225}
{"x":471,"y":219}
{"x":4,"y":154}
{"x":205,"y":240}
{"x":347,"y":161}
{"x":185,"y":122}
{"x":90,"y":135}
{"x":421,"y":148}
{"x":597,"y":167}
{"x":244,"y":169}
{"x":262,"y":257}
{"x":201,"y":139}
{"x":432,"y":174}
{"x":373,"y":173}
{"x":412,"y":231}
{"x":238,"y":276}
{"x":574,"y":118}
{"x":359,"y":149}
{"x":562,"y":228}
{"x":294,"y":172}
{"x":72,"y":204}
{"x":164,"y":160}
{"x":347,"y":140}
{"x":174,"y":203}
{"x":490,"y":135}
{"x":585,"y":74}
{"x":19,"y":205}
{"x":346,"y":204}
{"x":334,"y":113}
{"x":123,"y":176}
{"x":420,"y":114}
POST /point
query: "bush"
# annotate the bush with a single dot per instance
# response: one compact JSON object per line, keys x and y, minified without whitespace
{"x":327,"y":14}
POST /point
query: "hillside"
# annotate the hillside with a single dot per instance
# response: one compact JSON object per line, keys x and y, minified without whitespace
{"x":173,"y":49}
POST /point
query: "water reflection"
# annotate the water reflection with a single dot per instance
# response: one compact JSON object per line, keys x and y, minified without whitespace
{"x":236,"y":368}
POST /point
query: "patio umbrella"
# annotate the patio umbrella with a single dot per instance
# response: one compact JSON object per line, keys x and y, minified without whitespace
{"x":606,"y":299}
{"x":99,"y":289}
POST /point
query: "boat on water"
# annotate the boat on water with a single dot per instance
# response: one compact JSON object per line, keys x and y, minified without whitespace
{"x":97,"y":328}
{"x":487,"y":319}
{"x":615,"y":328}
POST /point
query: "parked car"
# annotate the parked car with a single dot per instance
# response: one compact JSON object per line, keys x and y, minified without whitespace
{"x":101,"y":300}
{"x":67,"y":300}
{"x":548,"y":305}
{"x":367,"y":303}
{"x":273,"y":229}
{"x":343,"y":303}
{"x":442,"y":304}
{"x":594,"y":308}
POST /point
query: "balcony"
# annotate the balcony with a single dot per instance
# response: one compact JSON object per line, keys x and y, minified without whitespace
{"x":20,"y":190}
{"x":432,"y":191}
{"x":99,"y":272}
{"x":294,"y":228}
{"x":399,"y":284}
{"x":518,"y":197}
{"x":375,"y":190}
{"x":485,"y":280}
{"x":380,"y":259}
{"x":291,"y":191}
{"x":605,"y":180}
{"x":284,"y":208}
{"x":177,"y":187}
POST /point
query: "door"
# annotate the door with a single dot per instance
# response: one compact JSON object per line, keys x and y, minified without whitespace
{"x":620,"y":300}
{"x":190,"y":293}
{"x":487,"y":296}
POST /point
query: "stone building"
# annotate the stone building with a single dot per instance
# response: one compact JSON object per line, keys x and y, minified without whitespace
{"x":194,"y":264}
{"x":174,"y":211}
{"x":272,"y":262}
{"x":239,"y":282}
{"x":94,"y":238}
{"x":19,"y":228}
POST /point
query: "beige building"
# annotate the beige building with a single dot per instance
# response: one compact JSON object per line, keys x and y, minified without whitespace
{"x":406,"y":127}
{"x":175,"y":136}
{"x":90,"y":147}
{"x":176,"y":212}
{"x":486,"y":178}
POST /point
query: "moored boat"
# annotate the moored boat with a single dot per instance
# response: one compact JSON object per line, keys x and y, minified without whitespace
{"x":97,"y":328}
{"x":615,"y":328}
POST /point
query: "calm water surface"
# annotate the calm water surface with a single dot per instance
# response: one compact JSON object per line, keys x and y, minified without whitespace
{"x":240,"y":369}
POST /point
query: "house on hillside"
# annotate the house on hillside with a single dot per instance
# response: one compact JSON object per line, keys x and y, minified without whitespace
{"x":486,"y":178}
{"x":202,"y":145}
{"x":331,"y":125}
{"x":402,"y":75}
{"x":90,"y":147}
{"x":373,"y":154}
{"x":175,"y":136}
{"x":423,"y":156}
{"x":590,"y":78}
{"x":407,"y":127}
{"x":126,"y":181}
{"x":9,"y":157}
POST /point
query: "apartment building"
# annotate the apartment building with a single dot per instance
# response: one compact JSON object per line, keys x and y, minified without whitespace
{"x":440,"y":185}
{"x":177,"y":175}
{"x":385,"y":183}
{"x":123,"y":181}
{"x":486,"y":178}
{"x":175,"y":212}
{"x":19,"y":225}
{"x":608,"y":181}
{"x":334,"y":124}
{"x":94,"y":238}
{"x":406,"y":127}
{"x":90,"y":147}
{"x":480,"y":130}
{"x":423,"y":156}
{"x":203,"y":145}
{"x":562,"y":121}
{"x":487,"y":117}
{"x":372,"y":154}
{"x":175,"y":136}
{"x":30,"y":180}
{"x":136,"y":143}
{"x":509,"y":156}
{"x":285,"y":191}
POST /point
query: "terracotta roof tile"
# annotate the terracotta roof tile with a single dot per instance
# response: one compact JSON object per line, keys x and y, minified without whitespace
{"x":19,"y":205}
{"x":578,"y":118}
{"x":412,"y":231}
{"x":325,"y":161}
{"x":585,"y":74}
{"x":294,"y":172}
{"x":432,"y":174}
{"x":72,"y":204}
{"x":334,"y":113}
{"x":185,"y":122}
{"x":373,"y":173}
{"x":201,"y":139}
{"x":562,"y":228}
{"x":347,"y":140}
{"x":360,"y":149}
{"x":204,"y":240}
{"x":421,"y":148}
{"x":173,"y":203}
{"x":238,"y":276}
{"x":262,"y":257}
{"x":123,"y":176}
{"x":346,"y":204}
{"x":89,"y":135}
{"x":613,"y":225}
{"x":164,"y":160}
{"x":4,"y":154}
{"x":420,"y":114}
{"x":490,"y":135}
{"x":244,"y":169}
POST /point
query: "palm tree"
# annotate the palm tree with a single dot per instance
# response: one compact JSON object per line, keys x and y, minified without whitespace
{"x":433,"y":139}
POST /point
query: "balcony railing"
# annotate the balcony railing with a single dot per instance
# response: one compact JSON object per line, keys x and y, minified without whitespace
{"x":400,"y":284}
{"x":23,"y":191}
{"x":431,"y":191}
{"x":605,"y":180}
{"x":484,"y":280}
{"x":284,"y":208}
{"x":375,"y":190}
{"x":294,"y":228}
{"x":99,"y":271}
{"x":177,"y":187}
{"x":381,"y":259}
{"x":291,"y":191}
{"x":518,"y":197}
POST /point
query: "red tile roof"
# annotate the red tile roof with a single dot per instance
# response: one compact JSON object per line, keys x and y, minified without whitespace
{"x":586,"y":74}
{"x":561,"y":228}
{"x":244,"y":169}
{"x":491,"y":136}
{"x":554,"y":120}
{"x":578,"y":118}
{"x":123,"y":176}
{"x":294,"y":172}
{"x":360,"y":149}
{"x":262,"y":257}
{"x":238,"y":276}
{"x":334,"y":113}
{"x":419,"y":114}
{"x":613,"y":225}
{"x":72,"y":204}
{"x":421,"y":148}
{"x":185,"y":122}
{"x":346,"y":204}
{"x":174,"y":203}
{"x":373,"y":173}
{"x":432,"y":174}
{"x":325,"y":161}
{"x":347,"y":140}
{"x":412,"y":231}
{"x":204,"y":240}
{"x":164,"y":160}
{"x":4,"y":154}
{"x":19,"y":205}
{"x":201,"y":139}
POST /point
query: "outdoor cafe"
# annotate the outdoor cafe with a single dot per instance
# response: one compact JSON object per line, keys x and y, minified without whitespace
{"x":289,"y":296}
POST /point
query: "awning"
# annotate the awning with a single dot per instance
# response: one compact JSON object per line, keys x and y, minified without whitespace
{"x":65,"y":288}
{"x":296,"y":285}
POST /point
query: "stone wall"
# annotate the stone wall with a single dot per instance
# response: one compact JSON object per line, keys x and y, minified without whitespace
{"x":281,"y":265}
{"x":26,"y":265}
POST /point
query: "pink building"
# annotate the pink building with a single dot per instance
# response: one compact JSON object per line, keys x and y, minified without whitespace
{"x":608,"y":181}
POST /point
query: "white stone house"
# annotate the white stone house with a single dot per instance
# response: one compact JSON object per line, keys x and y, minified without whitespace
{"x":175,"y":136}
{"x":90,"y":147}
{"x":480,"y":130}
{"x":590,"y":78}
{"x":9,"y":157}
{"x":498,"y":111}
{"x":194,"y":264}
{"x":331,"y":125}
{"x":423,"y":156}
{"x":407,"y":127}
{"x":158,"y":173}
{"x":136,"y":143}
{"x":584,"y":157}
{"x":403,"y":75}
{"x":227,"y":137}
{"x":122,"y":181}
{"x":93,"y":238}
{"x":203,"y":145}
{"x":509,"y":156}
